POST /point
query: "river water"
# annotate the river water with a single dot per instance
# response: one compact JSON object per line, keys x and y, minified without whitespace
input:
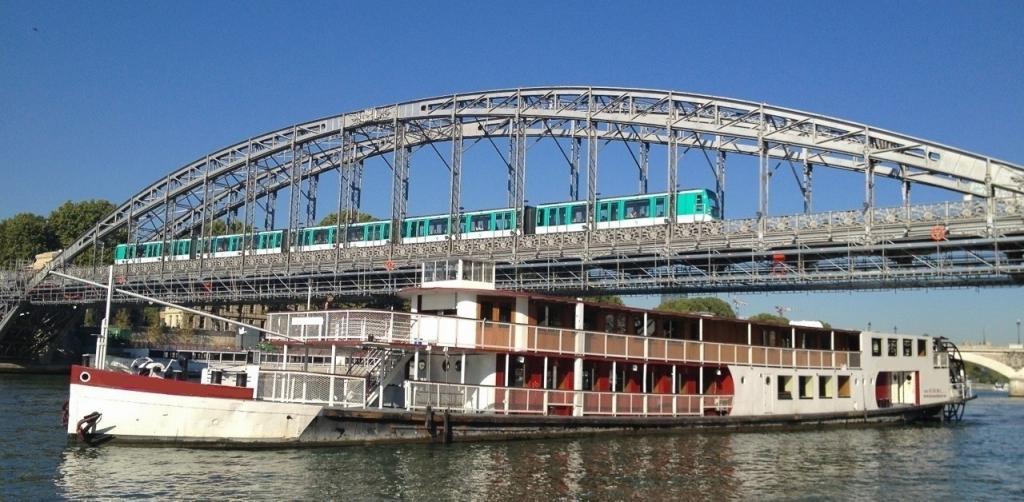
{"x":979,"y":458}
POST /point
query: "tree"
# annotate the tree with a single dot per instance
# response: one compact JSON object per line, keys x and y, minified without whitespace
{"x":72,"y":219}
{"x":715,"y":306}
{"x":607,"y":299}
{"x":122,"y":319}
{"x":219,"y":227}
{"x":358,"y":217}
{"x":825,"y":325}
{"x":769,"y":318}
{"x":23,"y":236}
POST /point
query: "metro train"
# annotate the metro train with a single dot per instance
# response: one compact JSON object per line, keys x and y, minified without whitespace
{"x":612,"y":212}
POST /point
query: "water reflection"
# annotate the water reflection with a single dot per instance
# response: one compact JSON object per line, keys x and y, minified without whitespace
{"x":965,"y":461}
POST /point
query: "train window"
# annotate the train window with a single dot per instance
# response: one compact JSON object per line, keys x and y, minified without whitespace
{"x":438,"y":227}
{"x":659,"y":207}
{"x":698,"y":206}
{"x":637,"y":209}
{"x":503,"y":221}
{"x":579,"y":214}
{"x":479,"y":222}
{"x":356,"y":234}
{"x":603,"y":211}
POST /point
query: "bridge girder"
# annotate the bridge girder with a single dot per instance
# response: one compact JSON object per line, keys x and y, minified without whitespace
{"x":224,"y":181}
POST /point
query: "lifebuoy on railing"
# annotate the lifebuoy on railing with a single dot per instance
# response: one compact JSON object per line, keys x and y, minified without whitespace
{"x":389,"y":265}
{"x":939,"y":233}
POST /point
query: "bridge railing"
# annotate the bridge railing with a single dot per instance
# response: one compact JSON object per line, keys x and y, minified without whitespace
{"x":423,"y":329}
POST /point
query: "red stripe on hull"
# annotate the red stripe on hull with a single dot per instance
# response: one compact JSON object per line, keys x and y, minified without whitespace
{"x":82,"y":375}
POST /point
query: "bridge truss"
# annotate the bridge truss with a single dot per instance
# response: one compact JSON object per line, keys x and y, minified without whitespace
{"x":977,"y":242}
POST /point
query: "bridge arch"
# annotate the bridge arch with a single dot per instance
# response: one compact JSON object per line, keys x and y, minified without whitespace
{"x":991,"y":364}
{"x":249,"y":174}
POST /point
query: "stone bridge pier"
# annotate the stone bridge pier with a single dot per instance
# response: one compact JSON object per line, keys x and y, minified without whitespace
{"x":1005,"y":360}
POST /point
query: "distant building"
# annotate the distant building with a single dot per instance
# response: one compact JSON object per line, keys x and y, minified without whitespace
{"x":249,"y":314}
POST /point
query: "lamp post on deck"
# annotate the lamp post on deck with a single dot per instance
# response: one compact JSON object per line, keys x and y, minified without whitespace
{"x":1018,"y":331}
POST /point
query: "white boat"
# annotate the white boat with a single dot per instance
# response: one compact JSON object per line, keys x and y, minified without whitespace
{"x":469,"y":361}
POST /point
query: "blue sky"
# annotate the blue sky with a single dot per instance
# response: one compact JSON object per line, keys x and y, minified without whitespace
{"x":99,"y":99}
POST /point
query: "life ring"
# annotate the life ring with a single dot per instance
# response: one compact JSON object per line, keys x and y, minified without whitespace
{"x":939,"y":233}
{"x":389,"y":265}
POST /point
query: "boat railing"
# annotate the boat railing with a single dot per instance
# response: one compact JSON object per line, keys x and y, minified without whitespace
{"x":515,"y":400}
{"x":425,"y":329}
{"x":311,"y":388}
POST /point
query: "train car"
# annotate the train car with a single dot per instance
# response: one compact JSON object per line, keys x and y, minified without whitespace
{"x":268,"y":242}
{"x":561,"y":217}
{"x":628,"y":211}
{"x":147,"y":252}
{"x":475,"y":225}
{"x":314,"y":238}
{"x":612,"y":212}
{"x":371,"y":233}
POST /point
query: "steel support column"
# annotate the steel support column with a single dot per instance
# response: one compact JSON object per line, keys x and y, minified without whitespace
{"x":399,"y":182}
{"x":720,"y":182}
{"x":869,"y":194}
{"x":762,"y":179}
{"x":576,"y":144}
{"x":807,"y":188}
{"x":645,"y":156}
{"x":455,"y":202}
{"x":312,"y":189}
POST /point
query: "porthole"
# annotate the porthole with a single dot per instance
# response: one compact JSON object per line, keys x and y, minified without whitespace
{"x":743,"y":379}
{"x":768,"y":380}
{"x":84,"y":376}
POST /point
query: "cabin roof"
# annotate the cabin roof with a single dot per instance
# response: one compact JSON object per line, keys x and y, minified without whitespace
{"x":409,"y":292}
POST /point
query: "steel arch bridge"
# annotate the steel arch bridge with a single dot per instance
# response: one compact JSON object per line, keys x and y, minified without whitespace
{"x":981,"y":239}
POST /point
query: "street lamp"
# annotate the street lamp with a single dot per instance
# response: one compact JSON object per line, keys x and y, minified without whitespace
{"x":1018,"y":331}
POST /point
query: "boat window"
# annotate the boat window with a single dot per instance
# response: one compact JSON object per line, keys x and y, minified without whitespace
{"x":921,"y":348}
{"x":876,"y":347}
{"x":504,"y":312}
{"x":892,"y":347}
{"x":609,"y":323}
{"x":785,"y":385}
{"x":518,"y":373}
{"x":806,"y":387}
{"x":908,"y":348}
{"x":845,"y":389}
{"x":668,"y":328}
{"x":621,"y":324}
{"x":620,"y":378}
{"x":824,"y":387}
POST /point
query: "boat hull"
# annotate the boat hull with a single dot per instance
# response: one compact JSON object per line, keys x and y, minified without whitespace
{"x":145,"y":417}
{"x":142,"y":409}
